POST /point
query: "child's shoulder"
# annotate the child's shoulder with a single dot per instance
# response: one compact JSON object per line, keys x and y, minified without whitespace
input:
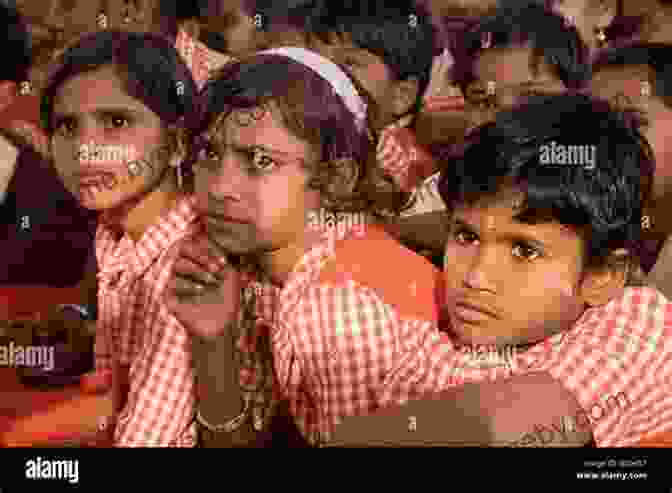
{"x":641,"y":312}
{"x":638,"y":306}
{"x":398,"y":275}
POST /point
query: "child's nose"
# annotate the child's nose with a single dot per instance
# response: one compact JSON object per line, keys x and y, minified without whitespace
{"x":481,"y":272}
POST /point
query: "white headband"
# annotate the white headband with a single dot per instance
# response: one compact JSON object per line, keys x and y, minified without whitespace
{"x":333,"y":74}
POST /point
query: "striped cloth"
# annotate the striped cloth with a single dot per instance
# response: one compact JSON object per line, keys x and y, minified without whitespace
{"x":616,"y":360}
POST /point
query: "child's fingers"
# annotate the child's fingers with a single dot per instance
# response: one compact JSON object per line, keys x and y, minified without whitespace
{"x":183,"y":290}
{"x":199,"y":251}
{"x":187,"y":268}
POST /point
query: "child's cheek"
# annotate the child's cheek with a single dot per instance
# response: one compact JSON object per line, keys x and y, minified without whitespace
{"x":557,"y":282}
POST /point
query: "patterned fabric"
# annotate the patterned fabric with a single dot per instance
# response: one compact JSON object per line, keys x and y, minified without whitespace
{"x":136,"y":331}
{"x":199,"y":58}
{"x":400,"y":155}
{"x":255,"y":357}
{"x":426,"y":198}
{"x":338,"y":325}
{"x":616,"y":360}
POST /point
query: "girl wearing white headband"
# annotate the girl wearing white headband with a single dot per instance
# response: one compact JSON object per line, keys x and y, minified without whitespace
{"x":287,"y":183}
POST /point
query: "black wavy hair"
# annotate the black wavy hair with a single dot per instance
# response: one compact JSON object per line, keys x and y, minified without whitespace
{"x":657,"y":56}
{"x":604,"y":203}
{"x":547,"y":32}
{"x":16,"y":46}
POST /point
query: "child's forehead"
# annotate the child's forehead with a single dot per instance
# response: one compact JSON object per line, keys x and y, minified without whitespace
{"x":501,"y":210}
{"x":95,"y":89}
{"x":240,"y":122}
{"x":257,"y":126}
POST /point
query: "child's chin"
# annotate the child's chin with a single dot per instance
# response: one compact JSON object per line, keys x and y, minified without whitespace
{"x":464,"y":335}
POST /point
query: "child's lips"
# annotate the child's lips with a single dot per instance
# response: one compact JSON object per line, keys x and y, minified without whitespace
{"x":91,"y":179}
{"x":475,"y":313}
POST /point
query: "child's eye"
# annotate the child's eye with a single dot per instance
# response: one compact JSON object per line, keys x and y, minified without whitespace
{"x":525,"y":251}
{"x":65,"y":127}
{"x":464,"y":236}
{"x":262,"y":161}
{"x":208,"y":153}
{"x":118,"y":121}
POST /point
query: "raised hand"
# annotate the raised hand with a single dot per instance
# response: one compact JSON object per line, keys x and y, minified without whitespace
{"x":204,"y":291}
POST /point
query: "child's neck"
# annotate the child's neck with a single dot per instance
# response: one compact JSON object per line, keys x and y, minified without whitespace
{"x":135,"y":217}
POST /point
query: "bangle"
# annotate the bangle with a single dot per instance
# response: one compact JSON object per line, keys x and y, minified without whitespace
{"x":228,"y":427}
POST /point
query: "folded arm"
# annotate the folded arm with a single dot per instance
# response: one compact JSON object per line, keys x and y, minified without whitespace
{"x":160,"y":407}
{"x":528,"y":410}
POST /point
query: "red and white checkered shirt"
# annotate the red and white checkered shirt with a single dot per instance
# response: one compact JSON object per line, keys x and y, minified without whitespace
{"x":200,"y":59}
{"x":616,"y":360}
{"x":137,"y":330}
{"x":401,"y":157}
{"x":340,"y":324}
{"x":398,"y":151}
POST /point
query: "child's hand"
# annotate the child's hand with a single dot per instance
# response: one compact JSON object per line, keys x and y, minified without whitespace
{"x":204,"y":292}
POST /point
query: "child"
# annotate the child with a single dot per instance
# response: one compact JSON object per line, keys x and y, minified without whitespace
{"x":389,"y":50}
{"x":517,"y":51}
{"x":537,"y":258}
{"x":113,"y":109}
{"x":38,"y":215}
{"x":286,"y":180}
{"x":637,"y":79}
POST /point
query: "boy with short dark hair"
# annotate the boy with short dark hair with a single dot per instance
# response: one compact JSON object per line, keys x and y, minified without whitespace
{"x":38,"y":216}
{"x":638,"y":79}
{"x":518,"y":52}
{"x":515,"y":52}
{"x":545,"y":218}
{"x":389,"y":49}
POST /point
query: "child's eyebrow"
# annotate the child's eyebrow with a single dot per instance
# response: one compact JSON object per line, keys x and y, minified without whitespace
{"x":269,"y":150}
{"x":109,"y":111}
{"x":513,"y":237}
{"x":219,"y":142}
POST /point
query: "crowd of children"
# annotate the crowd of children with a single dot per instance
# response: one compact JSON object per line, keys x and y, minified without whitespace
{"x":284,"y":259}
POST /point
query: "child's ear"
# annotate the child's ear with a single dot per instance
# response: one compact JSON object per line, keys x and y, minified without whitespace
{"x":405,"y":95}
{"x":602,"y":284}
